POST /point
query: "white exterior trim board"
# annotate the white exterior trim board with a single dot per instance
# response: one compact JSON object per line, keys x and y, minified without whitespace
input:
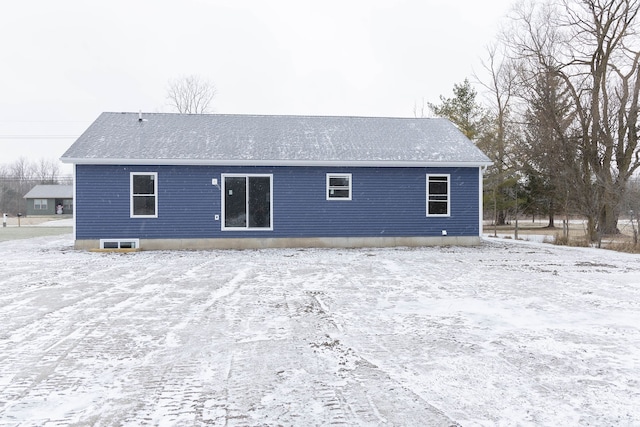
{"x":328,"y":163}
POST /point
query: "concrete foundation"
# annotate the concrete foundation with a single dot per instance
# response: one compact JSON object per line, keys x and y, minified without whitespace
{"x":298,"y":242}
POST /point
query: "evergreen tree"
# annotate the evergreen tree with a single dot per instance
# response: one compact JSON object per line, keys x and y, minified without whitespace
{"x":547,"y":150}
{"x":463,"y":110}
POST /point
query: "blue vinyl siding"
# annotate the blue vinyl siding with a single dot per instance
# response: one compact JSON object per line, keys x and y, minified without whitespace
{"x":385,"y":202}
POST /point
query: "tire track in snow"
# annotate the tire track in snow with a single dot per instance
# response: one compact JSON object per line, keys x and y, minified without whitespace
{"x":338,"y":390}
{"x":179,"y":394}
{"x":52,"y":328}
{"x":69,"y":339}
{"x":385,"y":402}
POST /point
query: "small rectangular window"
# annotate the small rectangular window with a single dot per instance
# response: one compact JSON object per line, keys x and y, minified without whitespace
{"x":438,"y":195}
{"x":338,"y":186}
{"x":119,"y":243}
{"x":144,"y":194}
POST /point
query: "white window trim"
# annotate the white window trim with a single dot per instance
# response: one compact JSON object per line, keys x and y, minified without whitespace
{"x":222,"y":202}
{"x":440,"y":175}
{"x":328,"y":187}
{"x":155,"y":193}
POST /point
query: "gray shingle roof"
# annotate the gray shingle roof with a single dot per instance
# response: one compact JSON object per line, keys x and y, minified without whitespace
{"x":50,"y":192}
{"x":162,"y":138}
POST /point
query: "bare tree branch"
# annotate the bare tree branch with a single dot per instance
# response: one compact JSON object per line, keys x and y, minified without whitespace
{"x":191,"y":94}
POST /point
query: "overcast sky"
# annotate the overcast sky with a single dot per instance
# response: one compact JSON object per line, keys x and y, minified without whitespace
{"x":64,"y":62}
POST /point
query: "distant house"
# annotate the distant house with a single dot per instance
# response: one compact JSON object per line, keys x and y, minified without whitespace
{"x":165,"y":181}
{"x":50,"y":200}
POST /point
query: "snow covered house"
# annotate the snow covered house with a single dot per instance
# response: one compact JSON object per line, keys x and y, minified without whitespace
{"x":179,"y":181}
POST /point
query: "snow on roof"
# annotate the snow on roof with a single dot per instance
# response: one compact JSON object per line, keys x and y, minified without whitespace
{"x":167,"y":138}
{"x":50,"y":192}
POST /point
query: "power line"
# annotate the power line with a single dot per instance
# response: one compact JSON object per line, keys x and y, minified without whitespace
{"x":34,"y":178}
{"x":38,"y":136}
{"x":43,"y":121}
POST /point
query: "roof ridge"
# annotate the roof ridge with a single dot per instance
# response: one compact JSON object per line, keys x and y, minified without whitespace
{"x":272,"y":115}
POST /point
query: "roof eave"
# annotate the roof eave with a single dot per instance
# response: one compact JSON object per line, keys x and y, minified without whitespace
{"x":333,"y":163}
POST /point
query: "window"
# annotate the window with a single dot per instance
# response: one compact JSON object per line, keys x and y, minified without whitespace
{"x":438,"y":195}
{"x":247,"y":202}
{"x":338,"y":186}
{"x":40,"y":204}
{"x":119,"y":243}
{"x":144,"y":194}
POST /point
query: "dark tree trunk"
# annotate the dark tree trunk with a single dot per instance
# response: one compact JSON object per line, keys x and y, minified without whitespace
{"x":551,"y":220}
{"x":608,"y":220}
{"x":591,"y":229}
{"x":551,"y":215}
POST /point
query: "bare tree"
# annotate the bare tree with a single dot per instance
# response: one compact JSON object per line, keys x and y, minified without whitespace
{"x":16,"y":183}
{"x":47,"y":171}
{"x":591,"y":48}
{"x":22,"y":169}
{"x":499,"y":134}
{"x":17,"y":178}
{"x":418,"y":110}
{"x":605,"y":86}
{"x":191,"y":94}
{"x":4,"y":189}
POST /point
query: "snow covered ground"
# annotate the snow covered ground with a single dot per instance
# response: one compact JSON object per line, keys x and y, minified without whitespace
{"x":509,"y":333}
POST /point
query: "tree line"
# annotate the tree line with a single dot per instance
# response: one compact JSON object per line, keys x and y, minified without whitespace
{"x":19,"y":177}
{"x":560,"y":121}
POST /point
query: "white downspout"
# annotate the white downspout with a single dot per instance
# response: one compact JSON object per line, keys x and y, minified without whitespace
{"x":75,"y":203}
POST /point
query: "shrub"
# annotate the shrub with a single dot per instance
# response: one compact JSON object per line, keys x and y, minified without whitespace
{"x":562,"y":240}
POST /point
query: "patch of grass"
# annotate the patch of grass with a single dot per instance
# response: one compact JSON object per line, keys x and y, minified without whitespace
{"x":562,"y":240}
{"x":27,"y":232}
{"x":628,"y":247}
